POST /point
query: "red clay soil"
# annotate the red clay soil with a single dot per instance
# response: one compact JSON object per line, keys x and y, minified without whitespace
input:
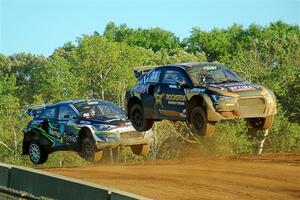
{"x":272,"y":176}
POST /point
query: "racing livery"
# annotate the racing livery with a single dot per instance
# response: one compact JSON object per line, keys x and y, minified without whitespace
{"x":200,"y":93}
{"x":85,"y":126}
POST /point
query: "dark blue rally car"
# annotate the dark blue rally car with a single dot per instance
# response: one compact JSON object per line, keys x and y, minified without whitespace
{"x":201,"y":94}
{"x":85,"y":126}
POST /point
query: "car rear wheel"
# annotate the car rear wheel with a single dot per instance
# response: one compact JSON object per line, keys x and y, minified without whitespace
{"x":88,"y":150}
{"x":199,"y":122}
{"x":141,"y":149}
{"x":262,"y":123}
{"x":36,"y":152}
{"x":137,"y":119}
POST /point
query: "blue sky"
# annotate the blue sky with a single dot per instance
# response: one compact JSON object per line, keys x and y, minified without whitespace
{"x":39,"y":27}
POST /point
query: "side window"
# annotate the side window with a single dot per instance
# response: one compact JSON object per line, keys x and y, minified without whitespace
{"x":173,"y":77}
{"x":153,"y":76}
{"x":142,"y":80}
{"x":65,"y":111}
{"x":48,"y":114}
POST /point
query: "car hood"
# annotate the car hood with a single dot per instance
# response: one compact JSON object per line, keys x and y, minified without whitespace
{"x":237,"y":88}
{"x":109,"y":120}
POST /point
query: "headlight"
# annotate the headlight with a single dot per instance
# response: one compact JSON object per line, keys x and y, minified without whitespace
{"x":218,"y":98}
{"x":270,"y":96}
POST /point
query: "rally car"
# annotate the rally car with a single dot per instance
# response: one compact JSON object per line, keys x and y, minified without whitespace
{"x":85,"y":126}
{"x":200,"y":93}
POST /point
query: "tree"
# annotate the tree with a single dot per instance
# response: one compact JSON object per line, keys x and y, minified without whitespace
{"x":153,"y":38}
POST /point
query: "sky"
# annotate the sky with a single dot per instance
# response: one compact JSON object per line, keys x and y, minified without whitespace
{"x":38,"y":27}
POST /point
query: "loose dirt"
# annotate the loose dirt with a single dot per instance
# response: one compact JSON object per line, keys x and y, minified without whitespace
{"x":271,"y":176}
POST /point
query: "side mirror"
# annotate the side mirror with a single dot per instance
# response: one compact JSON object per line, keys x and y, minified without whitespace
{"x":181,"y":84}
{"x":67,"y":116}
{"x":202,"y":80}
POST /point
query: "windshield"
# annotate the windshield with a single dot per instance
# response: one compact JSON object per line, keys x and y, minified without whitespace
{"x":212,"y":74}
{"x":97,"y":109}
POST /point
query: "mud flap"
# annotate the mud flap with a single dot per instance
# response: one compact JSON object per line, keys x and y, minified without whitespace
{"x":262,"y":141}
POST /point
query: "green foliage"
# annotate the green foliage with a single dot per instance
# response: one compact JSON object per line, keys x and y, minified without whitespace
{"x":154,"y":38}
{"x":101,"y":66}
{"x":284,"y":135}
{"x":56,"y":81}
{"x":176,"y":140}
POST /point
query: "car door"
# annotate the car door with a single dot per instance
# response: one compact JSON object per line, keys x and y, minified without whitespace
{"x":67,"y":115}
{"x":48,"y":120}
{"x":49,"y":123}
{"x":171,"y":98}
{"x":149,"y":88}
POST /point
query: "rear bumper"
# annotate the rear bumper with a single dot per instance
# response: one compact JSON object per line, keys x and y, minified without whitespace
{"x":124,"y":142}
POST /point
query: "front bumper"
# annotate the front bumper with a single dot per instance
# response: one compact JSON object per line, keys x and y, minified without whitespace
{"x":123,"y":142}
{"x":124,"y":136}
{"x":242,"y":107}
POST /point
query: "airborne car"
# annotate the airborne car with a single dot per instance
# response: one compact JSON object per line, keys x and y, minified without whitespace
{"x":85,"y":126}
{"x":200,"y":93}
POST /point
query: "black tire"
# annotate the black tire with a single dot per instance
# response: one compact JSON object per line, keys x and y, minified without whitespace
{"x":37,"y":153}
{"x":200,"y":124}
{"x":141,"y":149}
{"x":261,"y":123}
{"x":137,"y":119}
{"x":88,"y":150}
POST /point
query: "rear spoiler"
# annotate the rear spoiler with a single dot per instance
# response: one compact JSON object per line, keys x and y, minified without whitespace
{"x":33,"y":111}
{"x":140,"y":71}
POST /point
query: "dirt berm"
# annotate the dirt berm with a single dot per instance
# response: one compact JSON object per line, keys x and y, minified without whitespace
{"x":272,"y":176}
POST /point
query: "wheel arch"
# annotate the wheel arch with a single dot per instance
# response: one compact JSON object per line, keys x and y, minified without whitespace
{"x":35,"y":135}
{"x":132,"y":101}
{"x":196,"y":100}
{"x":84,"y":132}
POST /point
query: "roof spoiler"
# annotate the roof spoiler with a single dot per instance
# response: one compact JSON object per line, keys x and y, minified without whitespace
{"x":34,"y":110}
{"x":140,"y":71}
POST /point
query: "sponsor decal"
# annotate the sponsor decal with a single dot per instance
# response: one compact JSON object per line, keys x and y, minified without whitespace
{"x":111,"y":120}
{"x":198,"y":90}
{"x":35,"y":122}
{"x":181,"y":103}
{"x":158,"y":100}
{"x":241,"y":88}
{"x":85,"y":122}
{"x":70,"y":138}
{"x":175,"y":97}
{"x":54,"y":133}
{"x":92,"y":103}
{"x":210,"y":68}
{"x":173,"y":86}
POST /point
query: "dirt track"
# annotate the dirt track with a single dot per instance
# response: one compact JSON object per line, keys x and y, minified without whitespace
{"x":273,"y":176}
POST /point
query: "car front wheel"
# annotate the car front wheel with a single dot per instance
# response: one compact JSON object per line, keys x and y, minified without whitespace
{"x":89,"y":151}
{"x":137,"y":119}
{"x":262,"y":123}
{"x":37,"y":154}
{"x":199,"y":122}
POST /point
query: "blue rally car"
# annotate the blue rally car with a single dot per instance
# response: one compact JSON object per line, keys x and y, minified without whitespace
{"x":85,"y":126}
